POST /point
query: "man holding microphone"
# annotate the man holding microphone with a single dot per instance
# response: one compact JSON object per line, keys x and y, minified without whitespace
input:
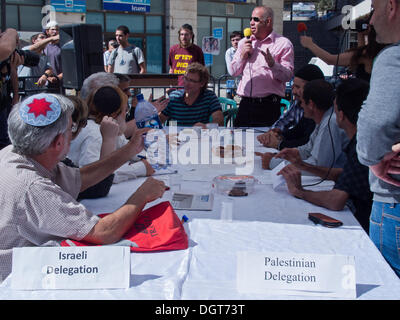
{"x":266,"y":60}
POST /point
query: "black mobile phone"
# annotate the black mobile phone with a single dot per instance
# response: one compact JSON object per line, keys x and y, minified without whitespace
{"x":324,"y":220}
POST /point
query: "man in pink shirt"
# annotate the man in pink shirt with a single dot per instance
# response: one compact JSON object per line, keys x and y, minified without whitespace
{"x":266,"y":61}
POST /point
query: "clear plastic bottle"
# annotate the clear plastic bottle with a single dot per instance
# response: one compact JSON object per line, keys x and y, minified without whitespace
{"x":146,"y":116}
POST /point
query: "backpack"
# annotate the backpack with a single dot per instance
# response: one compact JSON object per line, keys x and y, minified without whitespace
{"x":114,"y":55}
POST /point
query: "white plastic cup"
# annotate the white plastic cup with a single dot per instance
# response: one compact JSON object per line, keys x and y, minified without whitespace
{"x":212,"y":125}
{"x":227,"y":210}
{"x":175,"y":181}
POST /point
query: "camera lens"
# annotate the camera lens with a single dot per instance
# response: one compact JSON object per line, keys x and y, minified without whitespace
{"x":31,"y":58}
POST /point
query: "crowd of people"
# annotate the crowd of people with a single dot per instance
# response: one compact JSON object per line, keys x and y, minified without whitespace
{"x":65,"y":148}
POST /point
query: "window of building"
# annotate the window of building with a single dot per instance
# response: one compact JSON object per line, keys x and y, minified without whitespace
{"x":146,"y":29}
{"x":24,"y":15}
{"x":218,"y":14}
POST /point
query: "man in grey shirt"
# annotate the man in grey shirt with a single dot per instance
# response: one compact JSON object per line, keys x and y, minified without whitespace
{"x":327,"y":141}
{"x":378,"y":128}
{"x":126,"y":59}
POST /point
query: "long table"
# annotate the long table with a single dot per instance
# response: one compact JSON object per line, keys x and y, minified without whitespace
{"x":267,"y":220}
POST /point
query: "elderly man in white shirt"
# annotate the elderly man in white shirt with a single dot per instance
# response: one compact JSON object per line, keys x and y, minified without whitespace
{"x":37,"y":192}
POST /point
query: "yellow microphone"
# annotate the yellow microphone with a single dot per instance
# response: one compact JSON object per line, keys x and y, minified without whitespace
{"x":247,"y":33}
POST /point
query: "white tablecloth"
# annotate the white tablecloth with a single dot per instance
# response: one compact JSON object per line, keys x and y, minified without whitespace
{"x":265,"y":221}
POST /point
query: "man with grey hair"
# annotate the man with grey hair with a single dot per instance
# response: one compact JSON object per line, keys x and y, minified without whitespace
{"x":101,"y":79}
{"x":37,"y":192}
{"x":378,"y":129}
{"x":266,"y":60}
{"x":97,"y":80}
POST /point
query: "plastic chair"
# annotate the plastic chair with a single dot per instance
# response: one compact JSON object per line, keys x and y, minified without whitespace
{"x":230,"y":116}
{"x":285,"y":105}
{"x":227,"y":103}
{"x":229,"y":110}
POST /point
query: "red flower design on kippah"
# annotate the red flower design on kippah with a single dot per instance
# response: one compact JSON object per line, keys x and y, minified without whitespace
{"x":39,"y":106}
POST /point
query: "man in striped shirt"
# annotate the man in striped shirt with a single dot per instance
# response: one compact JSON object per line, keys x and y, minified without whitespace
{"x":195,"y":104}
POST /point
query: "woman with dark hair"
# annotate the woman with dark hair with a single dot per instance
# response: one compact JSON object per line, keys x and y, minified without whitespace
{"x":104,"y":133}
{"x":359,"y":60}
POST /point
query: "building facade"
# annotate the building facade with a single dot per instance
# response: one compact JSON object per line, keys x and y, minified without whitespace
{"x":155,"y":30}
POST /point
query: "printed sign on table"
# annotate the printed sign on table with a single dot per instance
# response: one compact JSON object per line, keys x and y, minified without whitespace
{"x":49,"y":268}
{"x":296,"y":274}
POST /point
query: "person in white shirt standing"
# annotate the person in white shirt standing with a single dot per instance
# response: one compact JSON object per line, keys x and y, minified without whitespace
{"x":235,"y":37}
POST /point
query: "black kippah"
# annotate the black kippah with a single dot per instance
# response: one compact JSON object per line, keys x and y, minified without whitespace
{"x":187,"y":26}
{"x":107,"y":100}
{"x":309,"y":72}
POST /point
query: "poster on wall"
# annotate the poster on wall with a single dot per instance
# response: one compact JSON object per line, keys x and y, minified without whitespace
{"x":127,"y":5}
{"x":77,"y":6}
{"x":218,"y":33}
{"x":211,"y":45}
{"x":208,"y":59}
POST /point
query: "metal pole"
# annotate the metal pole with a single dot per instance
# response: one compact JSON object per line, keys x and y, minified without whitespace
{"x":3,"y":15}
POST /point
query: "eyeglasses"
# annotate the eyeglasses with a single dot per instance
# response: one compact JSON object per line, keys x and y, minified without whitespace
{"x":256,"y":19}
{"x":191,"y":80}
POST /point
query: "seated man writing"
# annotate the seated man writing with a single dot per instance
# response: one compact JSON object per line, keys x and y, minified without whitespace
{"x":195,"y":103}
{"x":293,"y":129}
{"x":351,"y":182}
{"x":37,"y":192}
{"x":327,"y":140}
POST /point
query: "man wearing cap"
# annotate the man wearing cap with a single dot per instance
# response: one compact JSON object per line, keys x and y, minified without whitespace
{"x":265,"y":60}
{"x":292,"y":129}
{"x":53,"y":51}
{"x":37,"y":192}
{"x":184,"y":53}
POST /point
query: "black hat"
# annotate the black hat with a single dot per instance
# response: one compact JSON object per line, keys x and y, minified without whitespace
{"x":309,"y":72}
{"x":107,"y":100}
{"x":187,"y":26}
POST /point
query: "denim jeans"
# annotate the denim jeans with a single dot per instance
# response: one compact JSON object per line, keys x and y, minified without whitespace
{"x":384,"y":231}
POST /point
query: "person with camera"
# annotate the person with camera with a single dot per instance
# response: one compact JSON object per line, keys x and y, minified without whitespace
{"x":10,"y":59}
{"x":359,"y":59}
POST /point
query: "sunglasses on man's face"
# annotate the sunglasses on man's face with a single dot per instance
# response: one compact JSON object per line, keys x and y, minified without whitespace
{"x":256,"y":19}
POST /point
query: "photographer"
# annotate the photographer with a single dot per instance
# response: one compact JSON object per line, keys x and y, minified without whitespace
{"x":9,"y":78}
{"x":359,"y":59}
{"x":9,"y":59}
